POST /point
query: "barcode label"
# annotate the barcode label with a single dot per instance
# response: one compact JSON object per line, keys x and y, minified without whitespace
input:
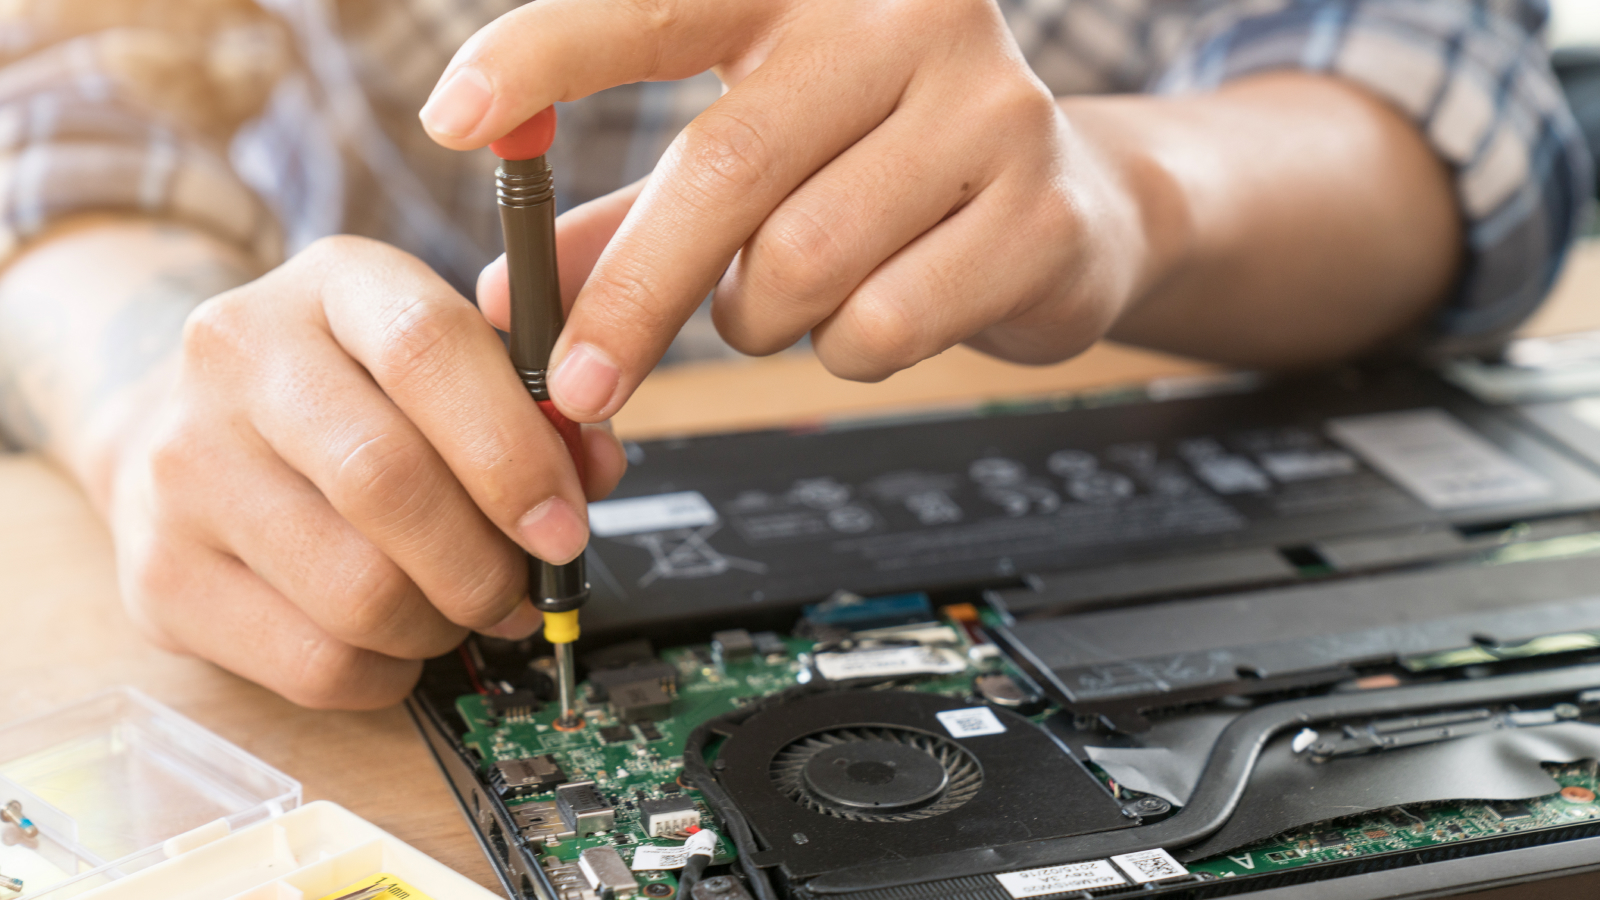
{"x":1060,"y":879}
{"x":1150,"y":865}
{"x":974,"y":722}
{"x":654,"y":856}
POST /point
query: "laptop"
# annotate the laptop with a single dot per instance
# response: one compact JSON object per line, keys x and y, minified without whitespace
{"x":1328,"y":636}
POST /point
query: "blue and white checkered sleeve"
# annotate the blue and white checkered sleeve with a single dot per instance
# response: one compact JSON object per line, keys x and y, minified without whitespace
{"x":1475,"y":78}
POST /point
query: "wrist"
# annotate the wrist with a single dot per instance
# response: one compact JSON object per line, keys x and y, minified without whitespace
{"x":89,"y":352}
{"x":1152,"y":222}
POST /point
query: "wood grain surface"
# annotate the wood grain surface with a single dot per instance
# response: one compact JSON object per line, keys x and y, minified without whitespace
{"x":63,"y":633}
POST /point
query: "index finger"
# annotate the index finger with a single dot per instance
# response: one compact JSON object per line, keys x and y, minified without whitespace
{"x":718,"y":181}
{"x":564,"y":50}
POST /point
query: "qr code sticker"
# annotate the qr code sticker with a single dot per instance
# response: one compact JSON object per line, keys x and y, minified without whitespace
{"x":974,"y":722}
{"x":1150,"y":865}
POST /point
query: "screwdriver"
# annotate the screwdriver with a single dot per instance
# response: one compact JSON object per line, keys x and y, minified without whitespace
{"x":524,"y":186}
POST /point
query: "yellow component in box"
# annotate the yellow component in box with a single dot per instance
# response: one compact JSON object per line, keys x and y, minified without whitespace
{"x":382,"y":886}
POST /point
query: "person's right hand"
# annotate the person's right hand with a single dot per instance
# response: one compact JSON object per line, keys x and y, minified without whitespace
{"x":341,"y":480}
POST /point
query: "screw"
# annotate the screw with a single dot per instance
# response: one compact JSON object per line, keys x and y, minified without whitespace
{"x":658,"y":890}
{"x":1149,"y":806}
{"x":12,"y":812}
{"x":722,"y":884}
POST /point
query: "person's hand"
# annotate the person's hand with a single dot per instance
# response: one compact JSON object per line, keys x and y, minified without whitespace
{"x":341,"y":480}
{"x":890,"y":177}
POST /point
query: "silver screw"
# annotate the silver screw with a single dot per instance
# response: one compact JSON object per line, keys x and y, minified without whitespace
{"x":722,"y":884}
{"x":12,"y":812}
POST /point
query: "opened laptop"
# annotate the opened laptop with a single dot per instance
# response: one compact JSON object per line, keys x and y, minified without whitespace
{"x":1333,"y":636}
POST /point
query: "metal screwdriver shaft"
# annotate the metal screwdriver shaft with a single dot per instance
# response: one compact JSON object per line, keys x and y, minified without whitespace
{"x":526,"y":195}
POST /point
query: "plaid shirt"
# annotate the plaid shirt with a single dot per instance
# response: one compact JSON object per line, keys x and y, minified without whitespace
{"x":265,"y":123}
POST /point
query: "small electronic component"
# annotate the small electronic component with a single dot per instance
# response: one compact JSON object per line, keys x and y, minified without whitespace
{"x":583,"y":810}
{"x":1577,"y":795}
{"x":641,"y":701}
{"x":568,"y":880}
{"x":732,"y":646}
{"x":12,"y":812}
{"x":767,"y":643}
{"x":616,"y":734}
{"x":670,"y":787}
{"x":856,"y":613}
{"x":515,"y":705}
{"x":541,"y":821}
{"x":606,"y":872}
{"x":1510,"y":811}
{"x":649,"y":731}
{"x":602,"y":681}
{"x":1002,"y":690}
{"x":1330,"y":839}
{"x":669,"y":816}
{"x":531,"y":775}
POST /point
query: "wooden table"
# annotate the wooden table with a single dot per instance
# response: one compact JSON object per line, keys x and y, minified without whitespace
{"x":65,"y":634}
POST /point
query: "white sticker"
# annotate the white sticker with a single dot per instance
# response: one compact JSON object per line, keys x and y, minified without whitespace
{"x":1306,"y":465}
{"x":660,"y":512}
{"x":1060,"y":879}
{"x":890,"y":662}
{"x":1150,"y":865}
{"x":655,"y":856}
{"x":975,"y":722}
{"x":1441,"y":461}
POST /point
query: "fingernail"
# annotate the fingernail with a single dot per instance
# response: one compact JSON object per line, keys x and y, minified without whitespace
{"x":522,"y":623}
{"x":457,"y":106}
{"x":553,"y":531}
{"x":585,"y":380}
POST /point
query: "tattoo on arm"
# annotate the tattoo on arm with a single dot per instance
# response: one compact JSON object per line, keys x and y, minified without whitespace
{"x":46,"y":337}
{"x":147,"y":328}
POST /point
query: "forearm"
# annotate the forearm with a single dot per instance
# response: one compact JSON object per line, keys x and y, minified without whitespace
{"x":90,"y":321}
{"x":1293,"y":219}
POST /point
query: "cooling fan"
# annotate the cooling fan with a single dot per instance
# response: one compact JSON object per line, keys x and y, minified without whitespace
{"x":847,"y":779}
{"x":877,"y":774}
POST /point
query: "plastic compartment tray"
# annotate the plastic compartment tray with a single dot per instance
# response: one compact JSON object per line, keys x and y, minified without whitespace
{"x":307,"y":854}
{"x":118,"y":783}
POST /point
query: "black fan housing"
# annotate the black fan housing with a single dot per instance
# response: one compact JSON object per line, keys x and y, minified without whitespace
{"x":847,"y":779}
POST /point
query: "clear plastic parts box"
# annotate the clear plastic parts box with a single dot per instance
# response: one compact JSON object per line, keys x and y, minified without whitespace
{"x":135,"y":802}
{"x":117,"y":783}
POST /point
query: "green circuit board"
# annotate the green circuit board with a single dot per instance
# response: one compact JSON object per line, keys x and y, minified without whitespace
{"x":630,"y":763}
{"x":637,"y":767}
{"x":1416,"y":827}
